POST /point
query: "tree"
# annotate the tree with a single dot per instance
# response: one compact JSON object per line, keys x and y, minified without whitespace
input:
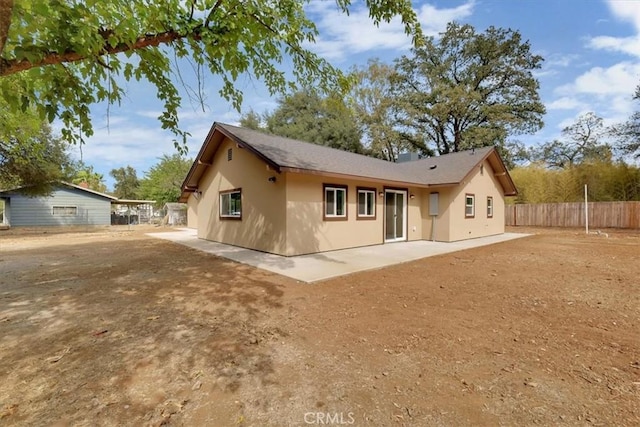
{"x":66,"y":54}
{"x":627,"y":134}
{"x":581,"y":141}
{"x":468,"y":89}
{"x":372,"y":99}
{"x":127,"y":184}
{"x":163,"y":181}
{"x":307,"y":116}
{"x":606,"y":181}
{"x":251,"y":120}
{"x":86,"y":176}
{"x":30,"y":155}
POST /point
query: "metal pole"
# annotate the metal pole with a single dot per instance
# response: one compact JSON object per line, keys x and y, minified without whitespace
{"x":586,"y":210}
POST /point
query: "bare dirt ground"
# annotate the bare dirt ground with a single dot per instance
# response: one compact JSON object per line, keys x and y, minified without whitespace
{"x":116,"y":328}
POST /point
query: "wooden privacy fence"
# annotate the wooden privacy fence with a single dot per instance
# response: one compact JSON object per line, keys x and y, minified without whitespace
{"x":601,"y":215}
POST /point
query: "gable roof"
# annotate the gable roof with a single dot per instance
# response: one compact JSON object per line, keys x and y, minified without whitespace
{"x":66,"y":184}
{"x":290,"y":155}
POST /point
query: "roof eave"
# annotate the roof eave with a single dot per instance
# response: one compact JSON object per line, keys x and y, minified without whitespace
{"x":352,"y":176}
{"x":512,"y":191}
{"x":199,"y":163}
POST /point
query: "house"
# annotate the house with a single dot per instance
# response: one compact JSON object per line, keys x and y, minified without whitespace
{"x":288,"y":197}
{"x":68,"y":204}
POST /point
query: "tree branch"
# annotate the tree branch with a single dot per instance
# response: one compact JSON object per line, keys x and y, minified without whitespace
{"x":8,"y":67}
{"x":6,"y":9}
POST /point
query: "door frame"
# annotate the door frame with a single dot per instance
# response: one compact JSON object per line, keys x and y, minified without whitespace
{"x":405,"y":212}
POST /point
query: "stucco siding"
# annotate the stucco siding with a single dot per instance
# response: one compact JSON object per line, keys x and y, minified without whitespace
{"x":437,"y":227}
{"x":309,"y":232}
{"x":262,"y":225}
{"x":90,"y":209}
{"x":482,"y":184}
{"x":192,"y":212}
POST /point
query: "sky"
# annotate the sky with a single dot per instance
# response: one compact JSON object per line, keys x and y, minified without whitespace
{"x":591,"y":51}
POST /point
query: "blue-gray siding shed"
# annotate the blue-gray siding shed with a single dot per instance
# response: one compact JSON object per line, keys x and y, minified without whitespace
{"x":72,"y":207}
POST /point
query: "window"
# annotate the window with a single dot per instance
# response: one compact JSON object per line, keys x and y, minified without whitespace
{"x":231,"y":204}
{"x":335,"y":202}
{"x":489,"y":207}
{"x":470,"y":206}
{"x":65,"y":211}
{"x":366,"y":203}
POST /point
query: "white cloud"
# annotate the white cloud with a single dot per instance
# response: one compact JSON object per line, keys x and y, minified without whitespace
{"x":621,"y":78}
{"x":626,"y":11}
{"x":628,"y":45}
{"x":565,"y":103}
{"x":607,"y":91}
{"x":342,"y":35}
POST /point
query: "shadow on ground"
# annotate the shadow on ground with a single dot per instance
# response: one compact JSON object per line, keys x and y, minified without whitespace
{"x":126,"y":340}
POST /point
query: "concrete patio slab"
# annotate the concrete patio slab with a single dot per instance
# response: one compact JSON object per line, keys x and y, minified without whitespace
{"x":325,"y":265}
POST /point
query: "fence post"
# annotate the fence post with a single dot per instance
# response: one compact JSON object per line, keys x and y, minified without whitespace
{"x":586,"y":210}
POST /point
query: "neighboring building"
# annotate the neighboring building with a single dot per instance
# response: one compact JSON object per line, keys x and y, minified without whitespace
{"x":288,"y":197}
{"x":176,"y":213}
{"x":68,"y":204}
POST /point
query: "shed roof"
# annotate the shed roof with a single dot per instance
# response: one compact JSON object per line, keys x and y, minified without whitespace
{"x":289,"y":155}
{"x":65,"y":184}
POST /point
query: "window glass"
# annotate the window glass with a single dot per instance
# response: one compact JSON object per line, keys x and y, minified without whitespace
{"x":340,"y":205}
{"x":366,"y":203}
{"x":335,"y":202}
{"x":231,"y":204}
{"x":65,"y":210}
{"x":469,"y":210}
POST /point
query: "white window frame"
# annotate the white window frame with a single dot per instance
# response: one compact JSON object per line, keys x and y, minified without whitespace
{"x":66,"y":210}
{"x":469,"y":208}
{"x":227,"y":195}
{"x":369,"y":194}
{"x":489,"y":206}
{"x":334,"y":189}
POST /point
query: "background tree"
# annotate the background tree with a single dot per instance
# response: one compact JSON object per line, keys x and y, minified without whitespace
{"x":127,"y":184}
{"x":86,"y":176}
{"x":307,"y":116}
{"x":579,"y":142}
{"x":251,"y":120}
{"x":372,"y":100}
{"x":606,"y":181}
{"x":468,"y":89}
{"x":30,"y":155}
{"x":627,"y":134}
{"x":163,"y":181}
{"x":65,"y":54}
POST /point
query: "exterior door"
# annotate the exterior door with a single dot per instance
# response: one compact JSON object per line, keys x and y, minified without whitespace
{"x":395,"y":222}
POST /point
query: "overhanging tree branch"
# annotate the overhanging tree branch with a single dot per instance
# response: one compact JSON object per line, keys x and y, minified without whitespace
{"x":8,"y":67}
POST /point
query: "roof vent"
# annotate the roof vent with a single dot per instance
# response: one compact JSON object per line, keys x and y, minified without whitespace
{"x":432,"y":167}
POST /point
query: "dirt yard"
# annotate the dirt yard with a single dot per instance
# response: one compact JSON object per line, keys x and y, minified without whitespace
{"x":116,"y":328}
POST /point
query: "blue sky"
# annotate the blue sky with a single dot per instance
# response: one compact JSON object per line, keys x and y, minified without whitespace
{"x":591,"y":50}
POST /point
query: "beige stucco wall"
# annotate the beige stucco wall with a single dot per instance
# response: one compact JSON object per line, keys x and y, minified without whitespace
{"x":308,"y":232}
{"x":481,"y":185}
{"x":262,"y":226}
{"x":440,"y":230}
{"x":192,"y":212}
